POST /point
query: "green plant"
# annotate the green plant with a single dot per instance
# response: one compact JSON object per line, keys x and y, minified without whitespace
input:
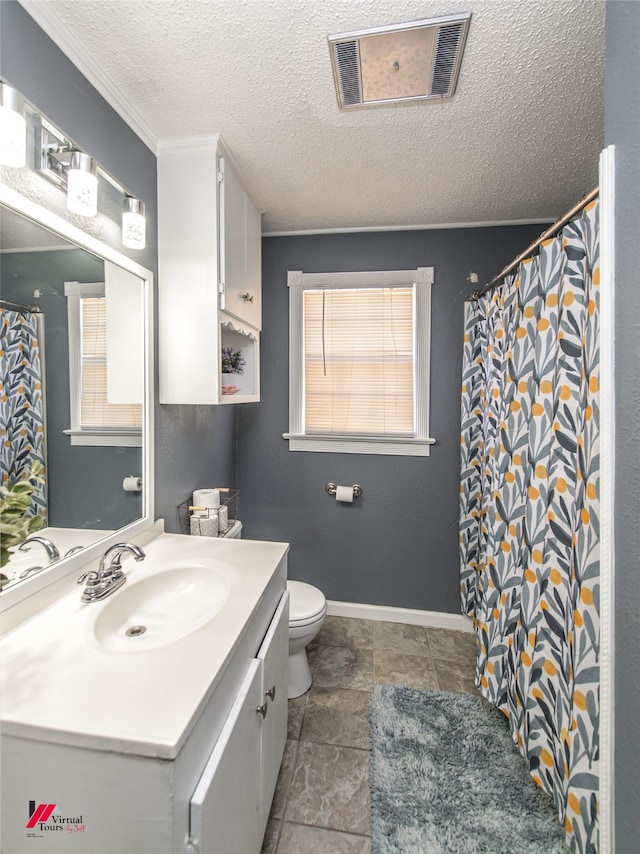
{"x":15,"y":523}
{"x":233,"y":361}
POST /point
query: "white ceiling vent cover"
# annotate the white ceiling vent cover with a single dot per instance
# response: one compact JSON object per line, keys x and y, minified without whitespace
{"x":406,"y":62}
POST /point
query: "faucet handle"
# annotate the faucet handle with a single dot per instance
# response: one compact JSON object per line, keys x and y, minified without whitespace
{"x":91,"y":577}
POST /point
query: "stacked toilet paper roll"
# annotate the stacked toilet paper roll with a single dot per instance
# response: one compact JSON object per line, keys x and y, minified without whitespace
{"x":204,"y":527}
{"x":207,"y":499}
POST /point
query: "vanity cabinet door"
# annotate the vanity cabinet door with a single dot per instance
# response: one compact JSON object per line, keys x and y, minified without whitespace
{"x":223,"y":814}
{"x":274,"y":655}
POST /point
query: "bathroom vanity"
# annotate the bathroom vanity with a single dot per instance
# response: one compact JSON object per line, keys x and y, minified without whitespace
{"x":161,"y":741}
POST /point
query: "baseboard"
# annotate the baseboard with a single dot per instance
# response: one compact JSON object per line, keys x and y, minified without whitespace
{"x":434,"y":619}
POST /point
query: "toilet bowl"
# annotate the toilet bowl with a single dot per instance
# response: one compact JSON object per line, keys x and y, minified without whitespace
{"x":307,"y":610}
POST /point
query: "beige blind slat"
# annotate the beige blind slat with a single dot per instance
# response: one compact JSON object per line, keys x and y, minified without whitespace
{"x":358,"y":348}
{"x":95,"y":409}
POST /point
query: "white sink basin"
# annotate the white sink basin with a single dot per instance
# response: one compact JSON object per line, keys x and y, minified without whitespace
{"x":161,"y":608}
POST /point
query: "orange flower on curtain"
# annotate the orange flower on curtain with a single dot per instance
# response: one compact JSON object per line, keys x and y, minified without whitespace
{"x":529,"y":513}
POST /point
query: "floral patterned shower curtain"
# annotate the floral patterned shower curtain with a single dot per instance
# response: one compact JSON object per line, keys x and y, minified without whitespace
{"x":21,"y":403}
{"x":529,"y":513}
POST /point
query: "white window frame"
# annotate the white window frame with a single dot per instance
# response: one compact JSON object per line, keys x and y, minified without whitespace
{"x":419,"y":444}
{"x":78,"y":435}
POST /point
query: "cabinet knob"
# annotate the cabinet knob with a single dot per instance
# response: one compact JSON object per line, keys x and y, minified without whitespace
{"x":248,"y":297}
{"x":271,"y":693}
{"x":262,"y":710}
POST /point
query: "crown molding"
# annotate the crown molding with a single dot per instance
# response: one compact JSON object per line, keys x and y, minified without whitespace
{"x":426,"y":227}
{"x":203,"y":143}
{"x":76,"y":52}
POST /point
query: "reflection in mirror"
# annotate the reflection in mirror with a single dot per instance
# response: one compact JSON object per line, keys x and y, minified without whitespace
{"x":72,"y":370}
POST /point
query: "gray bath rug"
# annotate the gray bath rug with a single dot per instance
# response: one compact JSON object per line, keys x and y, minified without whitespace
{"x":446,"y":778}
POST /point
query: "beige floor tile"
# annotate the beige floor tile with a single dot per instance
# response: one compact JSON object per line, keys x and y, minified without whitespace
{"x":284,"y":779}
{"x":295,"y":716}
{"x":303,"y":839}
{"x":345,"y":631}
{"x":447,"y":645}
{"x":413,"y":671}
{"x":330,"y":788}
{"x":337,"y":716}
{"x":271,"y":834}
{"x":340,"y":667}
{"x":453,"y":676}
{"x":400,"y":638}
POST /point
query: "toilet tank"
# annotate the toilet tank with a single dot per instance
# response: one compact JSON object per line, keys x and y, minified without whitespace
{"x":235,"y":530}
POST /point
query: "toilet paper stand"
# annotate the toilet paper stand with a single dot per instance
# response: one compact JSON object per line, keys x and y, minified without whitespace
{"x":331,"y":489}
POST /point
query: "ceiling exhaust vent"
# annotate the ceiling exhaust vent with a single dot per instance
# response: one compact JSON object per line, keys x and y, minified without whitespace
{"x":407,"y":62}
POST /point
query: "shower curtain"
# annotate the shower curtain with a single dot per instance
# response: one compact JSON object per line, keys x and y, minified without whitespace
{"x":529,"y":513}
{"x":21,"y":403}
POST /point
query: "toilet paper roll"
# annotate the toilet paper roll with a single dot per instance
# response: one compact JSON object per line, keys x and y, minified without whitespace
{"x":223,"y":519}
{"x":209,"y":498}
{"x":201,"y":527}
{"x":132,"y":484}
{"x":344,"y":494}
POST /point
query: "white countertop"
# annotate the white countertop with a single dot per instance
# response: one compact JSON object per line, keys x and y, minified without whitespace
{"x":59,"y":685}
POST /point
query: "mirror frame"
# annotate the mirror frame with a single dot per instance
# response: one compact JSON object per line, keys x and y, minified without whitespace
{"x":13,"y":596}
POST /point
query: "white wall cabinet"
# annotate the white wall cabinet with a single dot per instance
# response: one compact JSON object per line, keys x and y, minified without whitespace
{"x":214,"y":798}
{"x":210,"y":274}
{"x":241,"y":249}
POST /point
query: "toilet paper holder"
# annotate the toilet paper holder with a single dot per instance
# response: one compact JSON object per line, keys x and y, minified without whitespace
{"x":331,"y":488}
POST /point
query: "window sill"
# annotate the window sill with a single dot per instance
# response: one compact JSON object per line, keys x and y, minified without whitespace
{"x":360,"y":445}
{"x":105,"y":438}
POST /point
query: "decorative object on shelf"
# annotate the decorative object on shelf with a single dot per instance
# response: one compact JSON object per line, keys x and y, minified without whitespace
{"x":233,"y":362}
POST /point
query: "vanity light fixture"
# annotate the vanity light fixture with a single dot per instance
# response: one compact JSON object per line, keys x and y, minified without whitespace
{"x":134,"y":224}
{"x":82,"y":184}
{"x":13,"y":127}
{"x":69,"y":168}
{"x":76,"y":172}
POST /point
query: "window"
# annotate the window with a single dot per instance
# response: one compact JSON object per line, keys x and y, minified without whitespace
{"x":359,"y":361}
{"x":104,"y":407}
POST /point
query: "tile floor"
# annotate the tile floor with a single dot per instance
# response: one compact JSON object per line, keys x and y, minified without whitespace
{"x":321,"y":803}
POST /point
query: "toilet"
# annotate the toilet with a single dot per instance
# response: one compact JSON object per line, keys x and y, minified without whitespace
{"x":307,"y":610}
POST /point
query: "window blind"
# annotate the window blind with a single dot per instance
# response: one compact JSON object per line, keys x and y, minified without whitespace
{"x":359,"y":361}
{"x":95,"y":409}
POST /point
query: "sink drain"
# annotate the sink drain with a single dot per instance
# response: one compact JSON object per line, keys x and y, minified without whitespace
{"x":135,"y":631}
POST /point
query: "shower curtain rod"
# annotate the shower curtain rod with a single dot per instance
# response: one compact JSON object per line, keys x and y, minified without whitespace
{"x":529,"y":250}
{"x":34,"y":309}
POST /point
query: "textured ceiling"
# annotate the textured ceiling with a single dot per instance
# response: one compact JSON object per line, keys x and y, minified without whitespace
{"x":519,"y":140}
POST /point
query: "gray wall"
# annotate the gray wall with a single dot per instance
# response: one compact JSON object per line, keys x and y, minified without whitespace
{"x":622,"y":129}
{"x":195,"y":446}
{"x":397,"y":545}
{"x":84,"y":483}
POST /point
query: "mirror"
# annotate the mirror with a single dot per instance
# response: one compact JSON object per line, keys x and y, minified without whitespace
{"x":95,"y":316}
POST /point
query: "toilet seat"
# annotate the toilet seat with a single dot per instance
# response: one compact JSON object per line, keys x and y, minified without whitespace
{"x":307,"y":604}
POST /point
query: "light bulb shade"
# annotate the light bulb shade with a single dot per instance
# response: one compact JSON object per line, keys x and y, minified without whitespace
{"x":13,"y":127}
{"x":82,"y":185}
{"x":134,"y":224}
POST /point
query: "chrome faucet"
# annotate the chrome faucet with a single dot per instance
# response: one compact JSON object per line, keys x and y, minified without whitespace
{"x":109,"y":576}
{"x":50,"y":547}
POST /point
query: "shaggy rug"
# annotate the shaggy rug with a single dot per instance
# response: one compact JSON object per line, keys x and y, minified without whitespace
{"x":446,"y":778}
